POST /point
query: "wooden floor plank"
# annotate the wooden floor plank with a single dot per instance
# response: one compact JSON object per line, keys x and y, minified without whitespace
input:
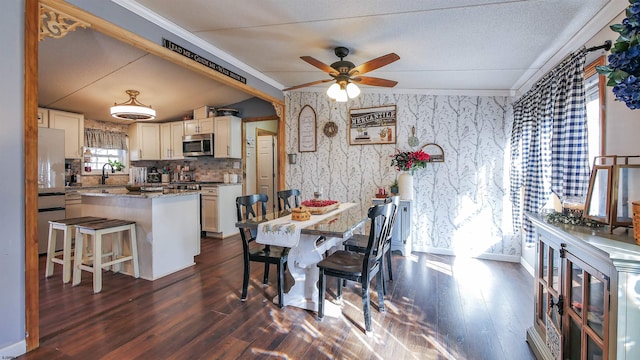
{"x":437,"y":307}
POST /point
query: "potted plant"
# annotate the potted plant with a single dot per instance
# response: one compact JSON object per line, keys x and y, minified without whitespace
{"x":116,"y":165}
{"x":394,"y":187}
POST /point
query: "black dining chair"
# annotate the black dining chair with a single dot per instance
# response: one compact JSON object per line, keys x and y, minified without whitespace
{"x":358,"y":242}
{"x":285,"y":195}
{"x":360,"y":267}
{"x":268,"y":254}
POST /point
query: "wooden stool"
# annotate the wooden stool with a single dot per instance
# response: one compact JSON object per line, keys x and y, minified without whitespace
{"x":97,"y":230}
{"x":67,"y":226}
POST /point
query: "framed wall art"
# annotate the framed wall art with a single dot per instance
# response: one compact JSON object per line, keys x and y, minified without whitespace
{"x":307,"y":130}
{"x":375,"y":125}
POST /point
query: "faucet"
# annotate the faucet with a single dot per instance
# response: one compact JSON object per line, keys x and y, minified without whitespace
{"x":103,"y":180}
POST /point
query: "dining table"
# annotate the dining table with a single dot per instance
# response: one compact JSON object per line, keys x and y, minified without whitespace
{"x":322,"y":234}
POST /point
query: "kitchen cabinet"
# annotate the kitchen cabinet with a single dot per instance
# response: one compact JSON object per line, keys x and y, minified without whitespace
{"x":585,"y":296}
{"x":144,"y":141}
{"x":228,"y":137}
{"x":171,"y":140}
{"x":198,"y":126}
{"x":73,"y":126}
{"x":218,"y":209}
{"x":43,"y":117}
{"x":401,"y":235}
{"x":73,"y":204}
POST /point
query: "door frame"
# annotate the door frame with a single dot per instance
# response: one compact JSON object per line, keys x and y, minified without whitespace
{"x":30,"y":123}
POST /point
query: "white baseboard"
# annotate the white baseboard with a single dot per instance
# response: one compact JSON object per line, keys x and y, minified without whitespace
{"x":14,"y":350}
{"x":527,"y":267}
{"x":483,"y":256}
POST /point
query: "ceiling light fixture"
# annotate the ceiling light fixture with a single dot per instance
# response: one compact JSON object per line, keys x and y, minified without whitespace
{"x":132,"y":109}
{"x":342,"y":91}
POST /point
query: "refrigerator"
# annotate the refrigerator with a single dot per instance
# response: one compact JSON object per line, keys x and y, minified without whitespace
{"x":51,"y":201}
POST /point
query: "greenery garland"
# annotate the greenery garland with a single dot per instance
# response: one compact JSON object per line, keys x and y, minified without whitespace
{"x":558,"y":217}
{"x":623,"y":70}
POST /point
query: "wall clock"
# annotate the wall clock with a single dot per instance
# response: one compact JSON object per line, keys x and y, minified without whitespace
{"x":330,"y":129}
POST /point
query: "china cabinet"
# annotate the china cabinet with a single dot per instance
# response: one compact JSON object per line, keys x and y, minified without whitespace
{"x":586,"y":302}
{"x":171,"y":140}
{"x":73,"y":126}
{"x":228,"y":137}
{"x":401,"y":236}
{"x":144,"y":141}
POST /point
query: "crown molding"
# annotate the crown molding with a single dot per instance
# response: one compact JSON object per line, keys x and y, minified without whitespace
{"x":162,"y":22}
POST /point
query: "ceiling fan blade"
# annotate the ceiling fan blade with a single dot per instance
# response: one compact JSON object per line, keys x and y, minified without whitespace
{"x":373,"y":81}
{"x":374,"y":64}
{"x":319,"y":64}
{"x":308,"y":84}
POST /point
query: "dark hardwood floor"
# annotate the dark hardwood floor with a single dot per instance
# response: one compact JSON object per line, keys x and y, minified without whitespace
{"x":438,"y":307}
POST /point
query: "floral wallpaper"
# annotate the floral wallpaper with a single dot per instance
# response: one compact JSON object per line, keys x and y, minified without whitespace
{"x":459,"y":206}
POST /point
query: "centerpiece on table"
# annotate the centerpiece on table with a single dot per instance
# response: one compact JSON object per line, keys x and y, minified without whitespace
{"x":318,"y":206}
{"x":408,"y":162}
{"x":623,"y":70}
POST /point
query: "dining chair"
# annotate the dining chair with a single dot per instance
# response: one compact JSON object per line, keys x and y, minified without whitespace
{"x":360,"y":267}
{"x":268,"y":254}
{"x":358,"y":242}
{"x":285,"y":195}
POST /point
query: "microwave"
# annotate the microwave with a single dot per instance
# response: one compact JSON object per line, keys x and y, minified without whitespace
{"x":197,"y":145}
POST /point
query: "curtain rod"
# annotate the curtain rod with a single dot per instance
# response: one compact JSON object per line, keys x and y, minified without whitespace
{"x":606,"y":46}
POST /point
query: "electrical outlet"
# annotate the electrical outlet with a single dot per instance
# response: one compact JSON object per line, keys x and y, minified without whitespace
{"x":236,"y":165}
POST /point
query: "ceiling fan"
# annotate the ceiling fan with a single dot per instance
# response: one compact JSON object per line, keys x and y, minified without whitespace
{"x":345,"y":73}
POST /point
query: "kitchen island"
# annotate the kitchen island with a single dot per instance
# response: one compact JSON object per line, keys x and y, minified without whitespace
{"x":167,"y":225}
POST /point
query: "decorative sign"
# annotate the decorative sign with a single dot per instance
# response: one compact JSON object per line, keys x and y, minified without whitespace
{"x":372,"y":125}
{"x":436,"y":154}
{"x":307,"y":130}
{"x":199,"y":59}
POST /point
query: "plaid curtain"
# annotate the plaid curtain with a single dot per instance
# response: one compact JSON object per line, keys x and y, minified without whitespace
{"x":549,"y":141}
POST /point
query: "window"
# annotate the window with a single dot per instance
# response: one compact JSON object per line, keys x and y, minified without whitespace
{"x":100,"y":157}
{"x":595,"y":94}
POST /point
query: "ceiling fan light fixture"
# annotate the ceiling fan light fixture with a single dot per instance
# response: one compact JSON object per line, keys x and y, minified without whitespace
{"x":133,"y":109}
{"x":334,"y":90}
{"x":352,"y":90}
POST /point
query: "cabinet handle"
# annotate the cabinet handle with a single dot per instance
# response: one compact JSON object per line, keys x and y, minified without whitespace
{"x":228,"y":152}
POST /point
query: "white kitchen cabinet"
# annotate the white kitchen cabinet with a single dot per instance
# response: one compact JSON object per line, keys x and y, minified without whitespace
{"x":43,"y":117}
{"x":73,"y":126}
{"x":171,"y":140}
{"x":144,"y":141}
{"x":218,"y":213}
{"x":73,"y":204}
{"x":198,"y":126}
{"x":228,"y":137}
{"x":401,"y":236}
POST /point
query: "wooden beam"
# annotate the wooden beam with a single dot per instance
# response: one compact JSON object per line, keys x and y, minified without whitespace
{"x":32,"y":303}
{"x":151,"y":47}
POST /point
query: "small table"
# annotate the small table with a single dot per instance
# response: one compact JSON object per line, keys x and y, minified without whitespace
{"x":309,"y":251}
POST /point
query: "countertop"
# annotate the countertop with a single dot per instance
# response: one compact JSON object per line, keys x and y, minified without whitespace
{"x":137,"y":194}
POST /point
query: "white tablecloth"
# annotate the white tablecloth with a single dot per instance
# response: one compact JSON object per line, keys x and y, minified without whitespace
{"x":285,"y":232}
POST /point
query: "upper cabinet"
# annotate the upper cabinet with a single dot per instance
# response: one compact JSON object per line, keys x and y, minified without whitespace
{"x":198,"y":126}
{"x":171,"y":140}
{"x":228,"y":137}
{"x":43,"y":117}
{"x":144,"y":141}
{"x":73,"y":126}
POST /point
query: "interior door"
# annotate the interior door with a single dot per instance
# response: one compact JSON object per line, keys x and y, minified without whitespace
{"x":266,"y":163}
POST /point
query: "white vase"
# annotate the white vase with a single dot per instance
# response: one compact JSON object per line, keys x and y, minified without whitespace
{"x":405,"y":184}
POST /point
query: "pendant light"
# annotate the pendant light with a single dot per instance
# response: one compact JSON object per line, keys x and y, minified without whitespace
{"x":132,"y":109}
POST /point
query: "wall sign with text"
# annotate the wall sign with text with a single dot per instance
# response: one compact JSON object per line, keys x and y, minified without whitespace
{"x":375,"y":125}
{"x":307,"y":129}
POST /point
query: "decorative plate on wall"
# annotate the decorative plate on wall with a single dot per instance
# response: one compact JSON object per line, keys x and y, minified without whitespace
{"x":330,"y":129}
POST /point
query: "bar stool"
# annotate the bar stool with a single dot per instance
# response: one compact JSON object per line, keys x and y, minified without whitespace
{"x":67,"y":226}
{"x":96,"y":231}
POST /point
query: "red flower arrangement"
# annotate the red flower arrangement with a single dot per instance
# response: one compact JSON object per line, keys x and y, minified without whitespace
{"x":409,"y":160}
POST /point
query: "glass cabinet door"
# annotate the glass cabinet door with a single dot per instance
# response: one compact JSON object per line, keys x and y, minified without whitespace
{"x":549,"y":297}
{"x":586,"y":312}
